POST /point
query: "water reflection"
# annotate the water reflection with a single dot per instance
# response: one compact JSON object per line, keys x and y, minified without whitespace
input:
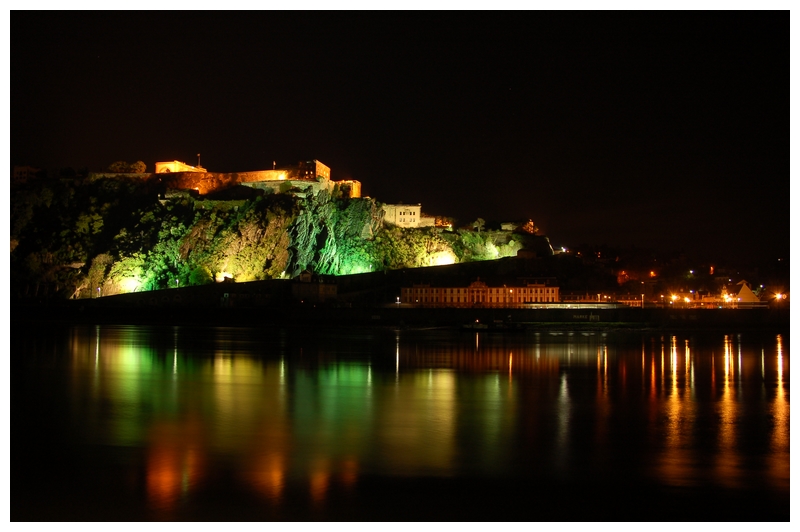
{"x":779,"y":457}
{"x":277,"y":411}
{"x":727,"y":459}
{"x":174,"y":463}
{"x":678,"y":463}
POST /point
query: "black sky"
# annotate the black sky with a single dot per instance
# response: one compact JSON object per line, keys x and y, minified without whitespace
{"x":663,"y":130}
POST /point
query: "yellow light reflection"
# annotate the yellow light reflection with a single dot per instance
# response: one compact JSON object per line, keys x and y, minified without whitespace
{"x":653,"y":378}
{"x":563,"y":413}
{"x":688,"y":359}
{"x":643,"y":363}
{"x":603,"y":406}
{"x":677,"y":464}
{"x":673,"y":361}
{"x":419,"y":439}
{"x":779,"y":458}
{"x":396,"y":356}
{"x":727,"y":466}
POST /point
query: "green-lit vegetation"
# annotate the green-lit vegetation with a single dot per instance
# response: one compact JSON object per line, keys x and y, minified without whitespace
{"x":110,"y":236}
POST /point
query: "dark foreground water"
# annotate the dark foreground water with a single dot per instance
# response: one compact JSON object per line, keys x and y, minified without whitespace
{"x":177,"y":423}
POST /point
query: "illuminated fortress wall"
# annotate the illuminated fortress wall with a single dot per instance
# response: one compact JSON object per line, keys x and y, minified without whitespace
{"x":203,"y":182}
{"x":177,"y":166}
{"x":314,"y":175}
{"x":207,"y":182}
{"x":269,"y":180}
{"x":284,"y":185}
{"x":350,"y":188}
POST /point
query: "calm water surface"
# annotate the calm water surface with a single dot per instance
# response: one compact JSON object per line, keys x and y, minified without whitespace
{"x":177,"y":423}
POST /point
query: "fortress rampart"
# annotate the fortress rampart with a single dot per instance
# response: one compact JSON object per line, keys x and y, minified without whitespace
{"x":203,"y":182}
{"x":275,"y":181}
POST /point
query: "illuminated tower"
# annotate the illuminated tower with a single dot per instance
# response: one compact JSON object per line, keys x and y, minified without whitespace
{"x":314,"y":169}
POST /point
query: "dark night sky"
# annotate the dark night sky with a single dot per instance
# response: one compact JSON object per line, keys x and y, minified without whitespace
{"x":663,"y":130}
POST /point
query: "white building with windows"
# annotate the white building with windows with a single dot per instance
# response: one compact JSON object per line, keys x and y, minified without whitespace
{"x":406,"y":215}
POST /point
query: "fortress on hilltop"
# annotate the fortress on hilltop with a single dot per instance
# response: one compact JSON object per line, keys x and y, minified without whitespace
{"x":306,"y":175}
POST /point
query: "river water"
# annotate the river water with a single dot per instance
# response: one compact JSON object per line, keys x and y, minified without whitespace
{"x":120,"y":423}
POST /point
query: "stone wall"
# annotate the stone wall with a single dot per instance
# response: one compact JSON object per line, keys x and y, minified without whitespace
{"x":207,"y":182}
{"x":264,"y":175}
{"x":350,"y":188}
{"x":276,"y":187}
{"x":202,"y":182}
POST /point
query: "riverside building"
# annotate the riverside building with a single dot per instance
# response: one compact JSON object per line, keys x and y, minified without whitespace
{"x":478,"y":294}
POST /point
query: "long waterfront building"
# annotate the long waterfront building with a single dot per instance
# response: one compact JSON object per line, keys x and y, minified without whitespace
{"x":479,"y":294}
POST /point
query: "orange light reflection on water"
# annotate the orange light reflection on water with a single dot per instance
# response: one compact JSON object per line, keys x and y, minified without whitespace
{"x":677,"y":465}
{"x":779,"y":458}
{"x":171,"y":473}
{"x":319,"y":481}
{"x":349,"y":473}
{"x":268,"y":475}
{"x":727,"y":464}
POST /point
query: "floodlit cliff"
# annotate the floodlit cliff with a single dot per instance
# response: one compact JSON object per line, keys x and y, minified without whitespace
{"x":114,"y":235}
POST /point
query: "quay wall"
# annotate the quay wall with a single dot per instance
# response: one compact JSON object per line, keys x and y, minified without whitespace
{"x":273,"y":305}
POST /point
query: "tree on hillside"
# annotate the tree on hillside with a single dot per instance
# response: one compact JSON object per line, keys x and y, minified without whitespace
{"x":118,"y":167}
{"x":138,"y":167}
{"x":478,"y":224}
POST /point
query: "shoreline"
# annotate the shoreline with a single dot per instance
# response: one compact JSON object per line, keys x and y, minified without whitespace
{"x":99,"y":312}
